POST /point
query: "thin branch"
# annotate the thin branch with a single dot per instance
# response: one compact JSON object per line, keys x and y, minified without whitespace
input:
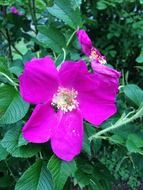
{"x":32,"y":9}
{"x":17,"y":50}
{"x":72,"y":35}
{"x":122,"y":121}
{"x":9,"y":79}
{"x":34,"y":15}
{"x":9,"y":44}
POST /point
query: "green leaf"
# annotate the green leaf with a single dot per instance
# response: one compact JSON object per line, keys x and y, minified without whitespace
{"x":101,"y":177}
{"x":5,"y":72}
{"x":92,"y":174}
{"x":134,"y":143}
{"x":59,"y":59}
{"x":4,"y":2}
{"x":37,"y":177}
{"x":51,"y":37}
{"x":3,"y":153}
{"x":76,"y":4}
{"x":41,"y":5}
{"x":139,"y":67}
{"x":21,"y":46}
{"x":118,"y":139}
{"x":17,"y":70}
{"x":60,"y":171}
{"x":22,"y":141}
{"x":12,"y":107}
{"x":138,"y":161}
{"x":4,"y":68}
{"x":101,"y":5}
{"x":82,"y":179}
{"x":6,"y":181}
{"x":96,"y":144}
{"x":84,"y":165}
{"x":63,"y":10}
{"x":11,"y":142}
{"x":139,"y":59}
{"x":134,"y":93}
{"x":84,"y":172}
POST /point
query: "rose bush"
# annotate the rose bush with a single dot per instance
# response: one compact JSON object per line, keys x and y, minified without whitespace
{"x":88,"y":102}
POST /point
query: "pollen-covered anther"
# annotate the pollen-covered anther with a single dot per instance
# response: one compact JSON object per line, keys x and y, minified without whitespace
{"x":65,"y":99}
{"x":95,"y":55}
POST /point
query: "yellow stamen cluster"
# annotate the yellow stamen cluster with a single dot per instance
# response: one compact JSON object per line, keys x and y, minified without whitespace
{"x":65,"y":99}
{"x":96,"y":56}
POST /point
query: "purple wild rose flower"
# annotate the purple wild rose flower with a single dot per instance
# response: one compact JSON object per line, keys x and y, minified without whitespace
{"x":63,"y":98}
{"x":87,"y":47}
{"x":14,"y":10}
{"x":96,"y":58}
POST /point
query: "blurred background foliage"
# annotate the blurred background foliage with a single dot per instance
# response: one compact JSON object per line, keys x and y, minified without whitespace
{"x":47,"y":27}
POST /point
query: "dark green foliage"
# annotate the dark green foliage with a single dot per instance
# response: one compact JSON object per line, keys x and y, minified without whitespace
{"x":47,"y":27}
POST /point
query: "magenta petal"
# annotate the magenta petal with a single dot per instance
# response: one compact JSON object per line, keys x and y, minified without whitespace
{"x":73,"y":65}
{"x":105,"y":70}
{"x":85,"y":41}
{"x":97,"y":95}
{"x":97,"y":111}
{"x":67,"y":140}
{"x":70,"y":71}
{"x":39,"y":80}
{"x":41,"y":125}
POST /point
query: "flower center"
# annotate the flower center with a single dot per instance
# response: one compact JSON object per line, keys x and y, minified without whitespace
{"x":65,"y":99}
{"x":95,"y":55}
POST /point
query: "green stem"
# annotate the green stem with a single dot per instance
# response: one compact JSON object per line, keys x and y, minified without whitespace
{"x":34,"y":16}
{"x":3,"y":34}
{"x":119,"y":123}
{"x":9,"y":79}
{"x":68,"y":42}
{"x":40,"y":155}
{"x":55,"y":57}
{"x":33,"y":13}
{"x":7,"y":36}
{"x":64,"y":58}
{"x":9,"y":44}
